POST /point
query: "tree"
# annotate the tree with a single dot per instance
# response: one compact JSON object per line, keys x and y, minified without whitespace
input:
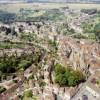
{"x":68,"y":72}
{"x":97,"y":31}
{"x":59,"y":69}
{"x":28,"y":93}
{"x":75,"y":78}
{"x":72,"y":81}
{"x":61,"y":79}
{"x":24,"y":64}
{"x":61,"y":75}
{"x":79,"y":76}
{"x":2,"y":89}
{"x":67,"y":76}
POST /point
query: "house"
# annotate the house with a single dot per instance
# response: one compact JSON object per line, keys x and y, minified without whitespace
{"x":93,"y":85}
{"x":70,"y":92}
{"x":90,"y":90}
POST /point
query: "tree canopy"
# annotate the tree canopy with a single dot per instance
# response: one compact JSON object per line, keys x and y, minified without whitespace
{"x":97,"y":31}
{"x":67,"y":76}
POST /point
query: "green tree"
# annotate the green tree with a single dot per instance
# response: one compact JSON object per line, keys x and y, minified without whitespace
{"x":97,"y":31}
{"x":28,"y":93}
{"x":2,"y":89}
{"x":75,"y":78}
{"x":67,"y":76}
{"x":79,"y":76}
{"x":59,"y":69}
{"x":24,"y":64}
{"x":61,"y":79}
{"x":72,"y":81}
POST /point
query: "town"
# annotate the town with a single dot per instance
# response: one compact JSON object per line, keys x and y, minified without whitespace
{"x":49,"y":53}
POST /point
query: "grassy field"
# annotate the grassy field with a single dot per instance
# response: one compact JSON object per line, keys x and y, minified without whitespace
{"x":16,"y":7}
